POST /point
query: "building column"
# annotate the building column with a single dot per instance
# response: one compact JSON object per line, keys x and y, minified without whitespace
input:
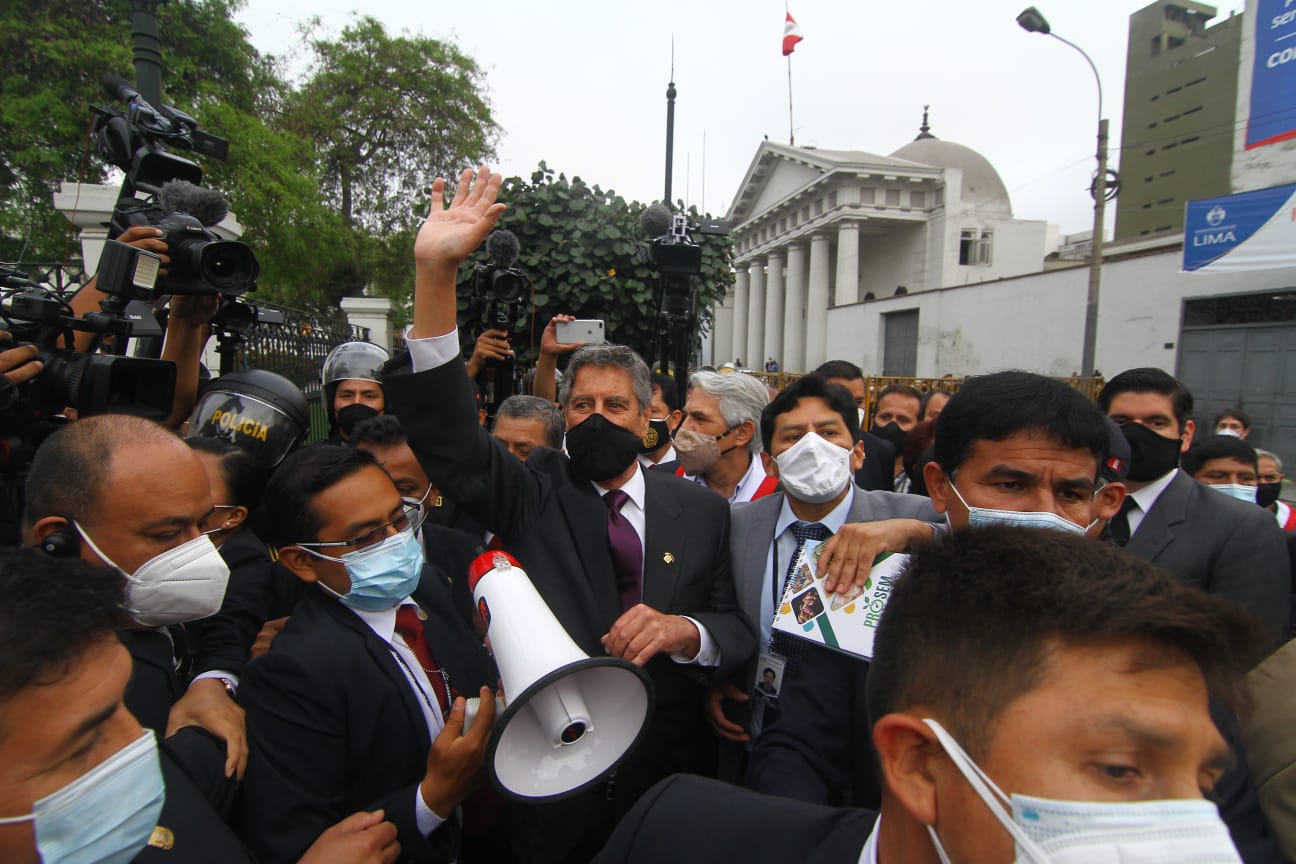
{"x":774,"y":308}
{"x":817,"y":302}
{"x":794,"y":311}
{"x":739,"y":317}
{"x":848,"y":263}
{"x":756,"y":318}
{"x":722,"y":331}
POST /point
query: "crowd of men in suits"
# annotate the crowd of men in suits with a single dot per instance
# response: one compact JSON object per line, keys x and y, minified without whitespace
{"x":215,"y":654}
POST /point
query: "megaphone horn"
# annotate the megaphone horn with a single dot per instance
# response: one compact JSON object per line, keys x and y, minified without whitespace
{"x":568,"y":718}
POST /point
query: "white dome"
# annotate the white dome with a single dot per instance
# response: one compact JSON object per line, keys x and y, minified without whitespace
{"x":982,"y":185}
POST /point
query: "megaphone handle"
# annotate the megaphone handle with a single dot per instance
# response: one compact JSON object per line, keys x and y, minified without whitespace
{"x":473,"y":704}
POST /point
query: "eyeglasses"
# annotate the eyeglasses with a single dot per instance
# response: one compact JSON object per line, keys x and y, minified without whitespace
{"x":410,"y":518}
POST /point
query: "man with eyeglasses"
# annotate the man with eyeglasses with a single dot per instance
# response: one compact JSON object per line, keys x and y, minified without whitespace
{"x":358,"y":699}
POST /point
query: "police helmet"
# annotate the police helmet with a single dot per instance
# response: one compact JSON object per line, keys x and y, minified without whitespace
{"x":260,"y":412}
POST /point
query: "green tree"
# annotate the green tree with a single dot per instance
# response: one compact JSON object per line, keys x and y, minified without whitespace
{"x":583,"y":248}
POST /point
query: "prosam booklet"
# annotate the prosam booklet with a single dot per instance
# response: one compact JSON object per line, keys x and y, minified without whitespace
{"x":846,"y":623}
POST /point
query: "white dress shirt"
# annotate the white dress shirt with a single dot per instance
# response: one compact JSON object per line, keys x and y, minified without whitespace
{"x":435,"y":351}
{"x":784,"y":548}
{"x":747,"y":487}
{"x":868,"y":855}
{"x":383,"y":624}
{"x":1146,"y":497}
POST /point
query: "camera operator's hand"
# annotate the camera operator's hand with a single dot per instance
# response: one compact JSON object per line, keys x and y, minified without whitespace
{"x":193,"y":310}
{"x":150,"y":240}
{"x":19,"y":365}
{"x":547,"y":362}
{"x":491,"y":345}
{"x":446,"y":238}
{"x":186,"y":335}
{"x":87,"y":298}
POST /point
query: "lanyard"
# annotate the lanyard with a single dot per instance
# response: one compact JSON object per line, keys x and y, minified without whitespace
{"x":445,"y":682}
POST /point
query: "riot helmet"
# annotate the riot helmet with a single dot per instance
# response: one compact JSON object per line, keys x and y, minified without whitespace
{"x":258,"y":411}
{"x":361,"y":361}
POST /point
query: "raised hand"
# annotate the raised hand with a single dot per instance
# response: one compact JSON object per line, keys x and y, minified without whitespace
{"x":450,"y":234}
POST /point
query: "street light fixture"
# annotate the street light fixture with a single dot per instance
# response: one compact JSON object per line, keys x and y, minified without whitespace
{"x":1033,"y":21}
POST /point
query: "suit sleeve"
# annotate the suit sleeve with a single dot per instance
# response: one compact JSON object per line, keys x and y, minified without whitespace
{"x":294,"y":787}
{"x":808,"y":752}
{"x":438,"y":410}
{"x":1254,"y":569}
{"x":225,"y":639}
{"x":729,"y":626}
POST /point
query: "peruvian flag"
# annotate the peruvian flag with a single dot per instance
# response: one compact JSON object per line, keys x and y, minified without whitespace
{"x":791,"y":35}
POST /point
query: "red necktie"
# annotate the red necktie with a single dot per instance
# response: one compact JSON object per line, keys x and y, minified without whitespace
{"x":410,"y":628}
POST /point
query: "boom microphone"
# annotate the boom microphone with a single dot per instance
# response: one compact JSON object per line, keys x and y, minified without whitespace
{"x":502,"y":247}
{"x":119,"y":88}
{"x":655,"y":220}
{"x":208,"y":206}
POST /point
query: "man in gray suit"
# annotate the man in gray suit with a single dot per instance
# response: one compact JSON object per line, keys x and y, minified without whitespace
{"x":810,"y":430}
{"x":1221,"y":545}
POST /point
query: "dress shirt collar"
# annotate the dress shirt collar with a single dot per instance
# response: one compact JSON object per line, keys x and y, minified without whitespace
{"x":747,"y":486}
{"x":869,"y":854}
{"x":668,"y":456}
{"x":382,"y":622}
{"x":634,"y":487}
{"x":1148,"y":495}
{"x":835,"y":519}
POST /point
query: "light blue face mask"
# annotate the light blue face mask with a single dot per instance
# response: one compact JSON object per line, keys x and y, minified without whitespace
{"x":105,"y":816}
{"x":382,"y":575}
{"x":1236,"y":490}
{"x":979,"y":517}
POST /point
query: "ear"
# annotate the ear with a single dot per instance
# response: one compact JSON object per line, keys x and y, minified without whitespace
{"x":770,"y":466}
{"x":937,"y":486}
{"x":1189,"y":428}
{"x":744,"y":433}
{"x":299,"y":563}
{"x":54,"y":535}
{"x":235,"y":518}
{"x":857,"y":456}
{"x":674,"y":419}
{"x":1108,"y":500}
{"x":907,"y":749}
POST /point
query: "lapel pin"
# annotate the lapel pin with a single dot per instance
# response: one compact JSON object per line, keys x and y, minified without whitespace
{"x":669,"y":558}
{"x":422,"y":616}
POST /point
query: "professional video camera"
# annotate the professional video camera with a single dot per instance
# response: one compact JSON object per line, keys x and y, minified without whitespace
{"x":160,"y":189}
{"x":500,"y":291}
{"x":88,"y":382}
{"x":677,"y":260}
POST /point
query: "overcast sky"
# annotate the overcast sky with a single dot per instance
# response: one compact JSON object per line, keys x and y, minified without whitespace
{"x":581,"y":84}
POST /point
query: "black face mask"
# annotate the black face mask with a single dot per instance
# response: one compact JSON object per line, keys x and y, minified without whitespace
{"x":600,"y":450}
{"x":1151,"y":455}
{"x":658,"y":434}
{"x":350,"y":416}
{"x":1267,"y":493}
{"x":892,"y":433}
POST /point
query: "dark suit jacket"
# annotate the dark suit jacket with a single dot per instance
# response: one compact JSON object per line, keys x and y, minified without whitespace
{"x":154,"y":684}
{"x":689,"y":819}
{"x":225,"y":639}
{"x":1224,"y":546}
{"x":197,"y":795}
{"x":555,"y":524}
{"x":878,"y":471}
{"x":334,"y":726}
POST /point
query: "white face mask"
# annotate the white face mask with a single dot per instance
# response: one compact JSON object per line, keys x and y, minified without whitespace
{"x":981,"y":516}
{"x":1082,"y":832}
{"x":1236,"y":490}
{"x":182,"y":584}
{"x":814,"y":470}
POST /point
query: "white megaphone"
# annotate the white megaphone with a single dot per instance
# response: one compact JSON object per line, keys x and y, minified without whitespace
{"x":568,"y":718}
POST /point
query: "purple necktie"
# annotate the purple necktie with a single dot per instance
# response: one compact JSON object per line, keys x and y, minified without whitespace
{"x":627,"y":552}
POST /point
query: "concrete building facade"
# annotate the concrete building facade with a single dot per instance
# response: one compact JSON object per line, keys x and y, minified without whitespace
{"x":1181,"y":81}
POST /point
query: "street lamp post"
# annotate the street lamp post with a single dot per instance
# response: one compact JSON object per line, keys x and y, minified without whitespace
{"x":1032,"y":21}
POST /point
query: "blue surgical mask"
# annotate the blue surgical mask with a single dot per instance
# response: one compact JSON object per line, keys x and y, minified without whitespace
{"x":1048,"y":831}
{"x":382,"y":575}
{"x":106,"y":815}
{"x":1236,"y":490}
{"x":979,"y":517}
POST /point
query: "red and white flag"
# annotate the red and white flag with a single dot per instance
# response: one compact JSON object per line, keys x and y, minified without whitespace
{"x":791,"y":35}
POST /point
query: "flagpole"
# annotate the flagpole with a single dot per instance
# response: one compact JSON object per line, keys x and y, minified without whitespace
{"x":791,"y":133}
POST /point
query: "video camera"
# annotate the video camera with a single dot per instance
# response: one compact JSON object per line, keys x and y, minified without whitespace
{"x":675,"y":256}
{"x":500,"y":290}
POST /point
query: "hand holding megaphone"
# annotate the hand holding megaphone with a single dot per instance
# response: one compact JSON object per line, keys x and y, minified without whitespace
{"x":455,"y":762}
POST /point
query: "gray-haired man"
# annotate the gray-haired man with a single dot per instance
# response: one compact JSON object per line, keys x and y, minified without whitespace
{"x":719,"y":443}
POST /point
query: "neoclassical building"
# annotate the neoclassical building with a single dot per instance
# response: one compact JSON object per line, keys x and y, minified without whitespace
{"x":818,"y":229}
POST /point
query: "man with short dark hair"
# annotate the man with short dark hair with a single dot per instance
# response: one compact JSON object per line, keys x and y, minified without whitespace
{"x":633,"y":563}
{"x":1224,"y":547}
{"x":124,"y":492}
{"x":898,"y":409}
{"x":1233,"y":421}
{"x":1226,"y":463}
{"x":354,"y":704}
{"x":1090,"y":685}
{"x":524,"y":423}
{"x":877,"y":472}
{"x":664,"y":416}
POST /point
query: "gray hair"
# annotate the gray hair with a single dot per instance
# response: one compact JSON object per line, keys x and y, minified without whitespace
{"x":1270,"y":455}
{"x":535,"y":408}
{"x":601,"y":355}
{"x":741,"y":398}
